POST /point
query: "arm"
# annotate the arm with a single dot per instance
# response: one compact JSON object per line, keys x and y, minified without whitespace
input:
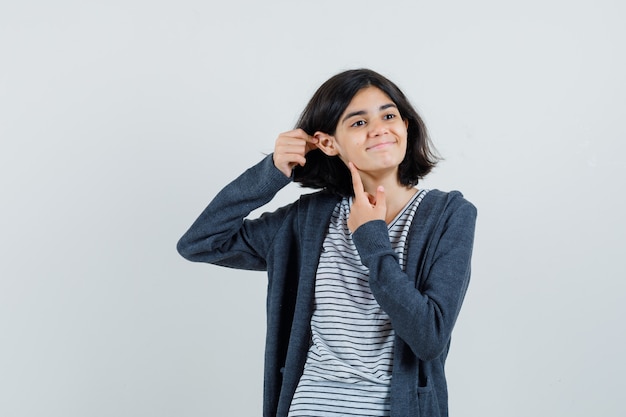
{"x":221,"y":236}
{"x":423,"y":317}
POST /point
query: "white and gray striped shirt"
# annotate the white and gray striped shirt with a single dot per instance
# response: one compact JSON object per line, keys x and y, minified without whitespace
{"x":349,"y":363}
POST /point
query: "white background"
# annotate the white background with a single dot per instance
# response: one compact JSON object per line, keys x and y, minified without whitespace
{"x":119,"y":120}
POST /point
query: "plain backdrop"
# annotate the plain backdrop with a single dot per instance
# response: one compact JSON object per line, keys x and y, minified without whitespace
{"x":119,"y":120}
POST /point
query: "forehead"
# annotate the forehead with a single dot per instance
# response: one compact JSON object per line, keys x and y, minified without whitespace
{"x":368,"y":97}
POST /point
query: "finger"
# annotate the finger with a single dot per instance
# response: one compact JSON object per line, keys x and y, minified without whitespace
{"x":357,"y":184}
{"x":311,"y":144}
{"x":300,"y":139}
{"x":291,"y":140}
{"x":290,"y":144}
{"x":290,"y":156}
{"x":301,"y":134}
{"x":312,"y":139}
{"x":381,"y":201}
{"x":292,"y":153}
{"x":297,"y":160}
{"x":287,"y":156}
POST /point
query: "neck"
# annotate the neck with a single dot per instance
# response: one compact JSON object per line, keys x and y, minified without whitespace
{"x":396,"y":194}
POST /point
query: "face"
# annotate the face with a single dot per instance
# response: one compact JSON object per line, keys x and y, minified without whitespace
{"x":370,"y":134}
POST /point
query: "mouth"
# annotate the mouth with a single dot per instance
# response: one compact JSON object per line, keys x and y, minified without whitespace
{"x":381,"y":145}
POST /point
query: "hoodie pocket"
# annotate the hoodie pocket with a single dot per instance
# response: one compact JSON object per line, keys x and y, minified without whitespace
{"x":427,"y":398}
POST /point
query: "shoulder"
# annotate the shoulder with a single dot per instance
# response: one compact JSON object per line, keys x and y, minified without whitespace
{"x":315,"y":209}
{"x":442,"y":211}
{"x":319,"y":198}
{"x":316,"y":205}
{"x":448,"y":201}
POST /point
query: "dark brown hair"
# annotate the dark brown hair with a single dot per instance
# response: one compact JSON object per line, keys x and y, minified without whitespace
{"x":322,"y":114}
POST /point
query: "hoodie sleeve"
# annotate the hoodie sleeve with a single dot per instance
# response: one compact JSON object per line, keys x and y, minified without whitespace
{"x":423,"y":317}
{"x":223,"y":236}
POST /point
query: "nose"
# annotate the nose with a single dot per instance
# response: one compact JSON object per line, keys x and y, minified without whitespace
{"x":377,"y":128}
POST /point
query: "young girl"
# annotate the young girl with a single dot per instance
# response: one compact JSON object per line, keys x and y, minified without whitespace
{"x":366,"y":276}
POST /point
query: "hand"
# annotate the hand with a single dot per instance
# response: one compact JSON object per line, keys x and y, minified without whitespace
{"x":365,"y":207}
{"x":290,"y":150}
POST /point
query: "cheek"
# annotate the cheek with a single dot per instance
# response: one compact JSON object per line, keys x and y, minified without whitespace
{"x":406,"y":148}
{"x":348,"y":144}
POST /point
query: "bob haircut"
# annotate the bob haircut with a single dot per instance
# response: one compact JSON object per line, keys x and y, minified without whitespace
{"x":322,"y":114}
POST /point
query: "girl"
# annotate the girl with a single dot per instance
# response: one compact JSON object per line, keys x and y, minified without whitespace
{"x":366,"y":276}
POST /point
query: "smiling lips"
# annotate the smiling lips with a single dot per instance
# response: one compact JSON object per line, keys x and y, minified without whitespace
{"x":380,"y":145}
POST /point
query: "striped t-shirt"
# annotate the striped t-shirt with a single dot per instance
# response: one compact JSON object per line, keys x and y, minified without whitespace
{"x":348,"y":366}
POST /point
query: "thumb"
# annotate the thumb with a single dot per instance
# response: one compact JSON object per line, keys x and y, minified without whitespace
{"x":381,"y":201}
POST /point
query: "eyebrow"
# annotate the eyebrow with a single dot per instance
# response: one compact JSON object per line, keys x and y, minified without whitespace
{"x":362,"y":112}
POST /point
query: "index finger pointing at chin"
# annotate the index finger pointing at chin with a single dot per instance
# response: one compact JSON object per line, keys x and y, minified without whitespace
{"x":356,"y":178}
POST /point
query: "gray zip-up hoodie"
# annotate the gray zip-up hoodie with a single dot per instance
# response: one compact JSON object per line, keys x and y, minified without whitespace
{"x":422,"y":302}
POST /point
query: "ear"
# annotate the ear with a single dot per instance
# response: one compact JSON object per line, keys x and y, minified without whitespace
{"x":326,"y":143}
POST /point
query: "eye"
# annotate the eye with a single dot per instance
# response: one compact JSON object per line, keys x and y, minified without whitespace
{"x":389,"y":116}
{"x":358,"y":123}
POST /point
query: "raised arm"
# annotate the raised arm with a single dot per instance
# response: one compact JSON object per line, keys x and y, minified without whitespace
{"x":222,"y":235}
